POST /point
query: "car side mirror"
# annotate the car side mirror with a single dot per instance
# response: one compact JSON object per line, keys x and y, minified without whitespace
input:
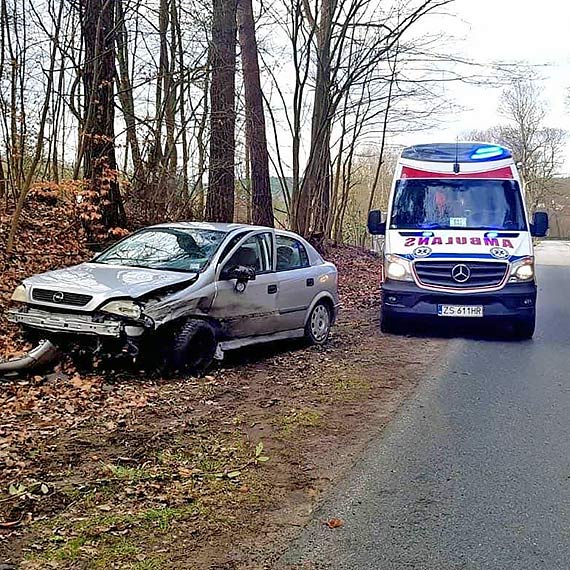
{"x":375,"y":224}
{"x":539,"y":226}
{"x":241,"y":273}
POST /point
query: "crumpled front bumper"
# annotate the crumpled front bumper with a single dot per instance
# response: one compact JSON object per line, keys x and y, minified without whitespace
{"x":66,"y":322}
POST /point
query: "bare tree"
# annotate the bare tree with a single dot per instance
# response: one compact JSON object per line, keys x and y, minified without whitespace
{"x":262,"y":205}
{"x":25,"y":179}
{"x":221,"y":180}
{"x":105,"y":209}
{"x":537,"y":149}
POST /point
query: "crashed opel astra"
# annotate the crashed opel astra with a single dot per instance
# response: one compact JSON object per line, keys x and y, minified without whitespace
{"x":183,"y":293}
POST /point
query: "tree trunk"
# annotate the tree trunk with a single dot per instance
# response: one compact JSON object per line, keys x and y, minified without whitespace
{"x":262,"y":205}
{"x":100,"y":163}
{"x":221,"y":175}
{"x":313,"y":204}
{"x":126,"y":92}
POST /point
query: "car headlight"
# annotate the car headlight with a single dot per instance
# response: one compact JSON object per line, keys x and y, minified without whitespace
{"x":19,"y":295}
{"x":522,"y":270}
{"x":398,"y":268}
{"x":123,"y":308}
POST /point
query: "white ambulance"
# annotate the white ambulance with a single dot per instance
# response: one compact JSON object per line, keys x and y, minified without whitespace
{"x":458,"y":242}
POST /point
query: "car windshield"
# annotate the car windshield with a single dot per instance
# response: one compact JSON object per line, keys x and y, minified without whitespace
{"x":173,"y":249}
{"x":458,"y":204}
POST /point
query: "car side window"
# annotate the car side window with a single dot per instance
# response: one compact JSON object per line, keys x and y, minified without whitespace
{"x":291,"y":254}
{"x":256,"y":252}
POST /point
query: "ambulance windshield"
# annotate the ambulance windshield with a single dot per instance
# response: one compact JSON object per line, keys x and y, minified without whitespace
{"x":458,"y":204}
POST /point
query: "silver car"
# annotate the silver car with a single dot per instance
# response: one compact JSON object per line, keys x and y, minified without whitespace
{"x":185,"y":293}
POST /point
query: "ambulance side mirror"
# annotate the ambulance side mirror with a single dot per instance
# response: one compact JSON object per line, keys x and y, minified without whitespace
{"x":539,"y":226}
{"x":375,"y":224}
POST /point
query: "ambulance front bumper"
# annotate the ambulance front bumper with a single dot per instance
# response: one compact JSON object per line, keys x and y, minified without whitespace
{"x":407,"y":300}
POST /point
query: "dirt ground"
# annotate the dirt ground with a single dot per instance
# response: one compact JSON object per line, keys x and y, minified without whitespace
{"x":123,"y":470}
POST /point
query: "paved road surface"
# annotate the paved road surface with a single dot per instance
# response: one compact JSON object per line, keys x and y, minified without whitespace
{"x":474,"y":473}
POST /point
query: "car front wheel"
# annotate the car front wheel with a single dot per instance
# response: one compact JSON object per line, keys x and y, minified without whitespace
{"x":318,"y":325}
{"x":193,"y":348}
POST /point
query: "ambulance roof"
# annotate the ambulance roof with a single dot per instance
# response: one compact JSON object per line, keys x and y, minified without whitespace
{"x":457,"y":152}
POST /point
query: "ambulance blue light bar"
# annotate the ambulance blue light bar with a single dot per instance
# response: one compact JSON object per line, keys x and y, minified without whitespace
{"x":457,"y":152}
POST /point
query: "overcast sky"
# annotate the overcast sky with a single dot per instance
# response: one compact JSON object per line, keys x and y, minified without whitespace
{"x":507,"y":31}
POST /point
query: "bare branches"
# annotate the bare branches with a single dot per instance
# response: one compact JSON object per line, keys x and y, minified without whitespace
{"x":538,"y":149}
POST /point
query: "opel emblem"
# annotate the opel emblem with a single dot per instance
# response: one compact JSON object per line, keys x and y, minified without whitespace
{"x":461,"y":273}
{"x":57,"y":297}
{"x":422,"y":251}
{"x":499,"y":253}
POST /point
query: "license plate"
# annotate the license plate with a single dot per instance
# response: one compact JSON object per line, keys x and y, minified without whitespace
{"x":460,"y":310}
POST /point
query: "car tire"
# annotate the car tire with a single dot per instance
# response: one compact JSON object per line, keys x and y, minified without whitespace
{"x":525,"y":327}
{"x":193,"y":348}
{"x":318,"y":327}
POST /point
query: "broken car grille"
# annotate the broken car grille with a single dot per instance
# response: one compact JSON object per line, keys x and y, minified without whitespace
{"x":60,"y":297}
{"x":460,"y":274}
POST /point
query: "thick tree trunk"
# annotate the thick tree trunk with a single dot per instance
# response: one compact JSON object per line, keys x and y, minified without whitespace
{"x":262,"y":204}
{"x":100,"y":163}
{"x":221,"y":175}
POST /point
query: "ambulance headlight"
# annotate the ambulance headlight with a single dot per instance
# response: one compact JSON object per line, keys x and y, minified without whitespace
{"x":398,"y":268}
{"x":522,"y":270}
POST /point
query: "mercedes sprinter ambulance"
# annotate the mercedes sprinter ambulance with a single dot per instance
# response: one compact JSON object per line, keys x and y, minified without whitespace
{"x":458,"y":242}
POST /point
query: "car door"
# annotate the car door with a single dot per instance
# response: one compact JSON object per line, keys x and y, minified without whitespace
{"x":252,"y":311}
{"x":297,"y":281}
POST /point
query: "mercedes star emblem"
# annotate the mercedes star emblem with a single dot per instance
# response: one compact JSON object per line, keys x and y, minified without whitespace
{"x":57,"y":297}
{"x":461,"y":273}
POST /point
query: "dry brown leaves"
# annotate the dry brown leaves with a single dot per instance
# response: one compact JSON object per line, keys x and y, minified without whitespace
{"x":49,"y":236}
{"x":359,"y":276}
{"x":37,"y":410}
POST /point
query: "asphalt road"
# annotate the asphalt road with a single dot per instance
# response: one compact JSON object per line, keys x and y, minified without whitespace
{"x":474,"y":472}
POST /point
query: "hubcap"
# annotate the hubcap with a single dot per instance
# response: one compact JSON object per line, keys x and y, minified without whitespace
{"x":320,"y":322}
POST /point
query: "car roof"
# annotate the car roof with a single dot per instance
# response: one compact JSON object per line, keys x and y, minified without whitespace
{"x":222,"y":227}
{"x":215,"y":226}
{"x":227,"y":228}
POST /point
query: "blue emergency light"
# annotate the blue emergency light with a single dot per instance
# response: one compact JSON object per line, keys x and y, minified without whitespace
{"x":457,"y":152}
{"x":488,"y":152}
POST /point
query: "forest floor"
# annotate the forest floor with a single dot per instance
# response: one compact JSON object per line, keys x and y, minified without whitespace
{"x":125,"y":470}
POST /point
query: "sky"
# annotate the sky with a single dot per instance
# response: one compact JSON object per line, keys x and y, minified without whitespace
{"x":509,"y":31}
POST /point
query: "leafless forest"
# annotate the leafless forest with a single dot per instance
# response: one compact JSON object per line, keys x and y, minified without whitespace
{"x":139,"y":111}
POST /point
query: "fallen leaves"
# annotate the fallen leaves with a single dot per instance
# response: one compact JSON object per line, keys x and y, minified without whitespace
{"x":334,"y":523}
{"x":359,"y":276}
{"x":67,"y":428}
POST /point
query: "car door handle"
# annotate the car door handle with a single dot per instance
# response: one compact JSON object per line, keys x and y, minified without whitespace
{"x":310,"y":282}
{"x":272,"y":289}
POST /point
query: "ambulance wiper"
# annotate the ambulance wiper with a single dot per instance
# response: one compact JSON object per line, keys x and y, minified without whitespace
{"x":433,"y":226}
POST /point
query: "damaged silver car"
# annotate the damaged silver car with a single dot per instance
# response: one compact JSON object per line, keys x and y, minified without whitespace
{"x":183,"y":293}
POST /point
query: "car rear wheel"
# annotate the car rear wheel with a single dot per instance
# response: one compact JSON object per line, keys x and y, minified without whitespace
{"x":193,"y":348}
{"x":318,"y":325}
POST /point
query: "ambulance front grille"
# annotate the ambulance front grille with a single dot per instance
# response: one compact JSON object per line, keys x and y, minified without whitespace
{"x":468,"y":274}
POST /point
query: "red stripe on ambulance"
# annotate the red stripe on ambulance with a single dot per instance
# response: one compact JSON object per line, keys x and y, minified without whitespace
{"x":504,"y":173}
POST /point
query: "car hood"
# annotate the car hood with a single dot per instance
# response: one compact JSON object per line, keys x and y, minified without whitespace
{"x":103,"y":282}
